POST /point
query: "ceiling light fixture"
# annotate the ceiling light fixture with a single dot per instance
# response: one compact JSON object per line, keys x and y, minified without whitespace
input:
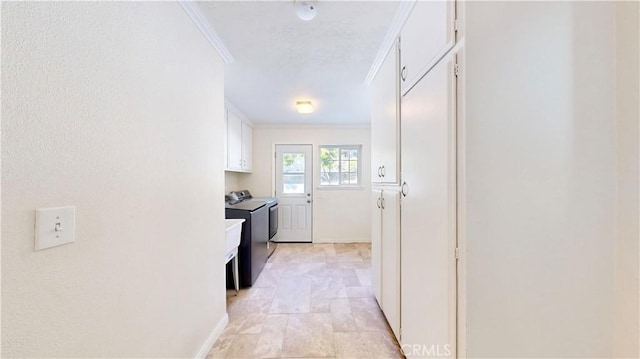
{"x":304,"y":106}
{"x":305,"y":9}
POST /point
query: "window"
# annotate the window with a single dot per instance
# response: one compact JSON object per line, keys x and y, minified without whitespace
{"x":293,"y":173}
{"x":340,"y":165}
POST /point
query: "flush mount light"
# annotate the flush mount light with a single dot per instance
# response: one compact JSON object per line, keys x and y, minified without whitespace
{"x":304,"y":106}
{"x":305,"y":9}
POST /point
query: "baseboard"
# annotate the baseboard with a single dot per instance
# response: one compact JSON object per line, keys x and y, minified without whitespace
{"x":342,"y":240}
{"x":206,"y":347}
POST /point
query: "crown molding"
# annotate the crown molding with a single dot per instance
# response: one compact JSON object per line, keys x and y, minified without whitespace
{"x":240,"y":114}
{"x":201,"y":22}
{"x":402,"y":14}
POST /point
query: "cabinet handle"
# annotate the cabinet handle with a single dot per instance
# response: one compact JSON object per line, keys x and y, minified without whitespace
{"x":384,"y":171}
{"x":403,"y":73}
{"x":382,"y":202}
{"x":379,"y":204}
{"x":379,"y":173}
{"x":405,"y":189}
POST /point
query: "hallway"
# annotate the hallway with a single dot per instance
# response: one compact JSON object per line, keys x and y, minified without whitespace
{"x":311,"y":300}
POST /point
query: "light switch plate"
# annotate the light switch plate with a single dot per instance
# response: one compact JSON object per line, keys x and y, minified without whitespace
{"x":55,"y":226}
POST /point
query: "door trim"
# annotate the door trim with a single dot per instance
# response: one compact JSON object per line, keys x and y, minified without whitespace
{"x":461,"y":207}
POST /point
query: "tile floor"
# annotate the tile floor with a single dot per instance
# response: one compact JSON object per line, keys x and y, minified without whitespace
{"x":311,"y":301}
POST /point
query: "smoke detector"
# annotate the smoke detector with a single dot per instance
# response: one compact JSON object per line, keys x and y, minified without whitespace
{"x":306,"y":10}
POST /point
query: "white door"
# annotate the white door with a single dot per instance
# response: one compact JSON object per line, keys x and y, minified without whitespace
{"x":294,"y":192}
{"x":247,"y":147}
{"x":426,"y":36}
{"x":384,"y":121}
{"x":428,"y":213}
{"x":376,"y":244}
{"x":390,"y":204}
{"x":234,"y":142}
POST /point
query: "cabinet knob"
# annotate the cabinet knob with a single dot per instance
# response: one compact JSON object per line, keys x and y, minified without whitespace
{"x":403,"y":73}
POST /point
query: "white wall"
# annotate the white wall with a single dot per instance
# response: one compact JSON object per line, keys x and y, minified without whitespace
{"x":231,"y":182}
{"x":540,"y":179}
{"x":114,"y":108}
{"x":628,"y":99}
{"x":338,"y":215}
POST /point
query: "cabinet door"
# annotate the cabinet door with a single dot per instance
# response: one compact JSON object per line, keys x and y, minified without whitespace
{"x":384,"y":121}
{"x":376,"y":248}
{"x":428,"y":216}
{"x":391,"y":258}
{"x":247,"y":147}
{"x":426,"y":36}
{"x":234,"y":142}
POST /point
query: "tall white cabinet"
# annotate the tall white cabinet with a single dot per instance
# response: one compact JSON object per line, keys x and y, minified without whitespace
{"x":507,"y":152}
{"x":428,"y":219}
{"x":385,"y":155}
{"x":413,"y":127}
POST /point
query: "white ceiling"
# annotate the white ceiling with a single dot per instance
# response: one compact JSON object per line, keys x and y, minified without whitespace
{"x":280,"y":59}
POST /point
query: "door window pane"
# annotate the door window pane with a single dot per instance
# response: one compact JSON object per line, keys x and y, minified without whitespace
{"x":293,"y":173}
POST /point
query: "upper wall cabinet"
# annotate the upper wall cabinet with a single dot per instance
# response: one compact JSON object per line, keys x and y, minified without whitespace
{"x":426,"y":36}
{"x":239,"y":144}
{"x":384,"y":121}
{"x":247,"y":147}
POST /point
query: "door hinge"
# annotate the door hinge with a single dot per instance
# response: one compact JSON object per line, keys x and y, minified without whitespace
{"x":456,"y":69}
{"x":457,"y":253}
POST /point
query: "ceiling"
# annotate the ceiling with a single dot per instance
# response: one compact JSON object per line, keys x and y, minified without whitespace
{"x":280,"y":58}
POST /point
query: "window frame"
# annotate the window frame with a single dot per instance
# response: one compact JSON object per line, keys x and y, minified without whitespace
{"x":350,"y":147}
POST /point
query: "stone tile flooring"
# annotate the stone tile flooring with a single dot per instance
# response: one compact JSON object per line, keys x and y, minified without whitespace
{"x":311,"y":301}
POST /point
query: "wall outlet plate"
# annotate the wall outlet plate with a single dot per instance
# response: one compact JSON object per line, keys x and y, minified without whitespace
{"x":55,"y":226}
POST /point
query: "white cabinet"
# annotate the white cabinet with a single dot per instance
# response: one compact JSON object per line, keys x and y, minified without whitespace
{"x":376,"y":244}
{"x":384,"y":121}
{"x":239,"y":144}
{"x":234,"y":142}
{"x":428,"y":219}
{"x":247,"y":147}
{"x":426,"y":36}
{"x":385,"y":254}
{"x":413,"y":152}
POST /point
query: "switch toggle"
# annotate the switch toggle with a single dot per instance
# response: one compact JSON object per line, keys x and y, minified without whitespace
{"x":55,"y":226}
